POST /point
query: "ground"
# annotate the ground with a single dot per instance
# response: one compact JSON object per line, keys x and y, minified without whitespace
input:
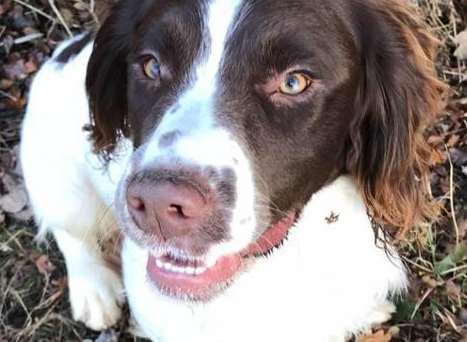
{"x":33,"y":291}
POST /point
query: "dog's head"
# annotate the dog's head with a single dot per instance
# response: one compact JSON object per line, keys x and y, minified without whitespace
{"x":239,"y":111}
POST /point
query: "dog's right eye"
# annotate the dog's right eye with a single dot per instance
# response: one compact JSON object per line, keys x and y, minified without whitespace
{"x":152,"y":68}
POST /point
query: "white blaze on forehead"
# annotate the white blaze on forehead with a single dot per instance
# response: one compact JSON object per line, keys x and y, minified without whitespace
{"x":193,"y":114}
{"x":221,"y":15}
{"x":199,"y":140}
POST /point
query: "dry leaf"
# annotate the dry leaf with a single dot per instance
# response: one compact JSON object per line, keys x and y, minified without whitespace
{"x":61,"y":285}
{"x":379,"y":336}
{"x":15,"y":201}
{"x":453,"y":291}
{"x":44,"y":265}
{"x":431,"y":282}
{"x":453,"y":140}
{"x":437,"y":157}
{"x":5,"y":84}
{"x":461,"y":41}
{"x":463,"y":227}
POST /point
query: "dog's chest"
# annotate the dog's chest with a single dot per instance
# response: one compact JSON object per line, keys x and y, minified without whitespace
{"x":319,"y":278}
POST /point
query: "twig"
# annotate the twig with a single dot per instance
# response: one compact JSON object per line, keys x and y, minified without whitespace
{"x":451,"y":196}
{"x":2,"y":30}
{"x":92,"y":10}
{"x":454,"y":270}
{"x":421,"y":301}
{"x":423,"y":268}
{"x":60,"y":18}
{"x":26,"y":39}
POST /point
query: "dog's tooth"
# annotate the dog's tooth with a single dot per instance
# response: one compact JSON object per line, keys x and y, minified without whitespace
{"x":159,"y":263}
{"x":167,"y":266}
{"x":178,"y":269}
{"x":190,"y":270}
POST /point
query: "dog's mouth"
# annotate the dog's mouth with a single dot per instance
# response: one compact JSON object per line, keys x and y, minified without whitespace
{"x":198,"y":280}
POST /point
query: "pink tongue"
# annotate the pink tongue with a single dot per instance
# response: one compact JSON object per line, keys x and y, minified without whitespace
{"x":200,"y":286}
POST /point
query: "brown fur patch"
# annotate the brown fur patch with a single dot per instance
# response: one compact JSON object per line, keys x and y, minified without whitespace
{"x":400,"y":195}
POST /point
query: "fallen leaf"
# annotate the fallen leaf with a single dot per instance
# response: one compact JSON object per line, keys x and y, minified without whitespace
{"x":463,"y":228}
{"x":453,"y":140}
{"x":454,"y":291}
{"x":44,"y":265}
{"x":5,"y":83}
{"x":451,"y":260}
{"x":15,"y":70}
{"x":15,"y":201}
{"x":437,"y":157}
{"x":461,"y":41}
{"x":435,"y":140}
{"x":379,"y":336}
{"x":61,"y":285}
{"x":431,"y":282}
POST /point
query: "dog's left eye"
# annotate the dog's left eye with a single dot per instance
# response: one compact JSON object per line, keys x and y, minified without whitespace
{"x":295,"y":84}
{"x":152,"y":68}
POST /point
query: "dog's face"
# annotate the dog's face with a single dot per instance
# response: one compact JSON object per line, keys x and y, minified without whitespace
{"x":238,"y":112}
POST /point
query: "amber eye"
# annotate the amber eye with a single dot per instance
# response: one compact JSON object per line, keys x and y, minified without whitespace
{"x":295,"y":84}
{"x":152,"y":68}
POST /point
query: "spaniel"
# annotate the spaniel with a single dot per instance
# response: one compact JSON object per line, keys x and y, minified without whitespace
{"x":246,"y":160}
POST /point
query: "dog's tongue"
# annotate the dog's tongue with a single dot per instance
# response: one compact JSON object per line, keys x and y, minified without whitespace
{"x":201,"y":286}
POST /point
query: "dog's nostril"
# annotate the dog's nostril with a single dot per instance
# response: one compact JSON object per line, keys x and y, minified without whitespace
{"x":177,"y":211}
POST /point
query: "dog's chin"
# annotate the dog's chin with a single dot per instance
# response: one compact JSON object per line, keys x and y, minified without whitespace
{"x":193,"y":279}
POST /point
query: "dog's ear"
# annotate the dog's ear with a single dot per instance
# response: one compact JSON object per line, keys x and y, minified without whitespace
{"x":107,"y":76}
{"x":397,"y":97}
{"x":106,"y":84}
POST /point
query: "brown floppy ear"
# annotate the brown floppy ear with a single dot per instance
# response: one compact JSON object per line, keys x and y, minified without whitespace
{"x":107,"y":75}
{"x":398,"y":96}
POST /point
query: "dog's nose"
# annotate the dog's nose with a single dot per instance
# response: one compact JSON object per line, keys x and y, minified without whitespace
{"x":167,"y":209}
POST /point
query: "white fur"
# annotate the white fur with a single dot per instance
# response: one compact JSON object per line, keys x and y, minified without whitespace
{"x":201,"y":142}
{"x":328,"y":280}
{"x":68,"y":190}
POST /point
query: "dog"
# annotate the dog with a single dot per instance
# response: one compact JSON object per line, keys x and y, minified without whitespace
{"x":248,"y":161}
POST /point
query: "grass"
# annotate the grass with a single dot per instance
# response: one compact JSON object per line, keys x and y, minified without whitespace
{"x":33,"y":293}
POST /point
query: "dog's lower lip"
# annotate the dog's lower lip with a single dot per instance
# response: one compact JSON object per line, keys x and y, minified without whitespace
{"x":198,"y":284}
{"x":200,"y":281}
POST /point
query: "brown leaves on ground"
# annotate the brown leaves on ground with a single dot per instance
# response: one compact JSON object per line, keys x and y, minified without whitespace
{"x":379,"y":336}
{"x":13,"y":197}
{"x":44,"y":265}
